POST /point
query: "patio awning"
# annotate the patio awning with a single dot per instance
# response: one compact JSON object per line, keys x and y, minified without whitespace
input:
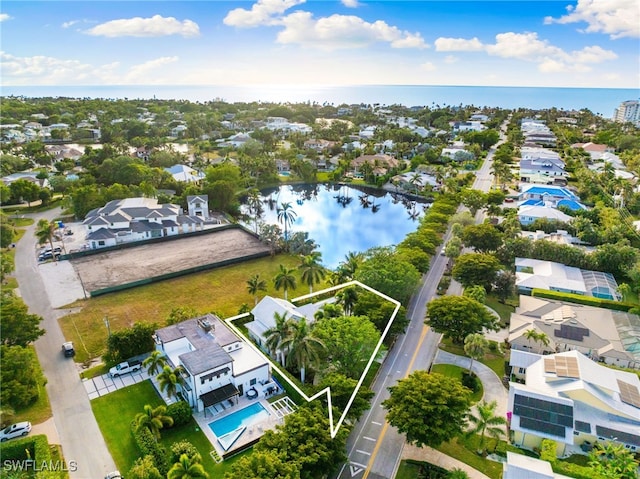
{"x":219,"y":395}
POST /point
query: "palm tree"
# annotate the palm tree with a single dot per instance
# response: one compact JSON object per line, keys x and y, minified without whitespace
{"x":44,"y":233}
{"x":188,"y":468}
{"x":255,"y":285}
{"x":531,"y":334}
{"x":169,"y":379}
{"x":303,"y":347}
{"x":350,"y":264}
{"x":312,"y":270}
{"x":475,"y":346}
{"x":275,"y":336}
{"x":543,"y":339}
{"x":153,"y":419}
{"x":255,"y":206}
{"x":286,"y":216}
{"x":486,"y":422}
{"x":155,"y":362}
{"x":285,"y":280}
{"x":348,"y":298}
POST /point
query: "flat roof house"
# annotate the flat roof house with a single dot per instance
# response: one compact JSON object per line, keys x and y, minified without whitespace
{"x":572,"y":400}
{"x":219,"y":365}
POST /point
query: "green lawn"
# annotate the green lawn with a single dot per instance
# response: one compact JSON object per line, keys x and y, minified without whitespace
{"x":225,"y":289}
{"x":407,"y":470}
{"x":456,"y":372}
{"x":114,"y":413}
{"x":455,"y":448}
{"x":492,"y":360}
{"x":504,"y":310}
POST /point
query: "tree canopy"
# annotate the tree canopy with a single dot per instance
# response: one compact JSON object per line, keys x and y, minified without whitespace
{"x":428,"y":408}
{"x":458,"y":316}
{"x":476,"y":268}
{"x":17,"y":326}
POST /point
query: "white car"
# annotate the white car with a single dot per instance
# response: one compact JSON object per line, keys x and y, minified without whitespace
{"x":15,"y":430}
{"x":113,"y":475}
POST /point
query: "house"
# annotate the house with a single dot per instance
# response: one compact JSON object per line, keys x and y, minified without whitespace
{"x":185,"y":174}
{"x":519,"y":361}
{"x":136,"y":219}
{"x":549,"y":195}
{"x":537,"y":274}
{"x":519,"y":466}
{"x":264,"y":316}
{"x":218,"y":365}
{"x":319,"y":144}
{"x":380,"y":163}
{"x":605,"y":335}
{"x":31,"y":176}
{"x":573,"y":400}
{"x":462,"y":126}
{"x":457,"y":153}
{"x":527,"y":214}
{"x":558,"y":237}
{"x":198,"y":206}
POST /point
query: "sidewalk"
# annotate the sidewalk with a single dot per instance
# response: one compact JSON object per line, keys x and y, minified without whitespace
{"x":437,"y":458}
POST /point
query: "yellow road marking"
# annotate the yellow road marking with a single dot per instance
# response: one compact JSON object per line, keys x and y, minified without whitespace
{"x":423,"y":335}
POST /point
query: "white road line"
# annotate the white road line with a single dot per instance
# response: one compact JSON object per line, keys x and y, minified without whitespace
{"x":369,"y":438}
{"x":356,"y":464}
{"x":376,"y":423}
{"x":363,"y":452}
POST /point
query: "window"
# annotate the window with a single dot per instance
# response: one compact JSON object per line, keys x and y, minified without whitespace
{"x":101,"y":243}
{"x":252,"y":382}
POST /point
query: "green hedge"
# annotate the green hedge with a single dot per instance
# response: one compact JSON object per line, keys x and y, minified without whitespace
{"x":180,"y":412}
{"x":38,"y":451}
{"x":579,"y":299}
{"x":149,"y":447}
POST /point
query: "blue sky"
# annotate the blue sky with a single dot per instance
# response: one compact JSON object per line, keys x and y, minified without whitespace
{"x":584,"y":43}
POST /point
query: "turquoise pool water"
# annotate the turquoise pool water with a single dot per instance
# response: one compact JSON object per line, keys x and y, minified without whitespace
{"x":245,"y":417}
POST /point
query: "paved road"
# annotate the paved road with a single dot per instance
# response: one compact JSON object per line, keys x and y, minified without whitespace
{"x":374,"y":447}
{"x":77,"y":428}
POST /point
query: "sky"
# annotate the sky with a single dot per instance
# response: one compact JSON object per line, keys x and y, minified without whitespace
{"x":560,"y":43}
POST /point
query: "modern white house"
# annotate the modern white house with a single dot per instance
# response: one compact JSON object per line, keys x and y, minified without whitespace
{"x":185,"y":174}
{"x":604,"y":335}
{"x":550,"y":195}
{"x":527,"y":214}
{"x":573,"y":400}
{"x":538,"y":274}
{"x":219,"y":366}
{"x":136,"y":219}
{"x":519,"y":466}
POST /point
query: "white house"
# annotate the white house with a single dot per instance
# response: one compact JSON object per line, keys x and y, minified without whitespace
{"x":527,"y":214}
{"x":537,"y":274}
{"x":136,"y":219}
{"x":605,"y":335}
{"x":185,"y":174}
{"x":198,"y":206}
{"x":519,"y":466}
{"x":218,"y":365}
{"x":571,"y":399}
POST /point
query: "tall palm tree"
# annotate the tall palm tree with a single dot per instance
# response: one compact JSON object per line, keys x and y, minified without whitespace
{"x":255,"y":206}
{"x":275,"y":336}
{"x":285,"y":279}
{"x":153,"y":419}
{"x":351,"y":262}
{"x":44,"y":233}
{"x":348,"y":298}
{"x":169,"y":380}
{"x":155,"y":362}
{"x":531,"y":335}
{"x":486,"y":422}
{"x":312,"y":270}
{"x":286,"y":216}
{"x":304,"y":348}
{"x":475,"y":345}
{"x":543,"y":339}
{"x":188,"y":468}
{"x":255,"y":285}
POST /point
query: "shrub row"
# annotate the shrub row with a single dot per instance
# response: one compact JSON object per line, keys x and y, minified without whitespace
{"x":586,"y":300}
{"x":149,"y":447}
{"x":180,"y":412}
{"x":34,"y":448}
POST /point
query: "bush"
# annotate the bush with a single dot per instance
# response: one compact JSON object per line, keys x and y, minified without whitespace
{"x":548,"y":450}
{"x":180,"y":412}
{"x":130,"y":342}
{"x":579,"y":299}
{"x":149,"y":447}
{"x":471,"y":381}
{"x":182,"y":447}
{"x":34,"y":448}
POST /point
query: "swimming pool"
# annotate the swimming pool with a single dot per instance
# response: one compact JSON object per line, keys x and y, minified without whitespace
{"x":243,"y":418}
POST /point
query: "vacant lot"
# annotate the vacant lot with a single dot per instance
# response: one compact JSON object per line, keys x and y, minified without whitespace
{"x":133,"y":264}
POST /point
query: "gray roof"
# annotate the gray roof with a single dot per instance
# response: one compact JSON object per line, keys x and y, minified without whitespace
{"x":205,"y":359}
{"x":142,"y":226}
{"x":192,"y":198}
{"x":116,"y":218}
{"x":100,"y":234}
{"x":186,"y":219}
{"x":95,"y":220}
{"x":169,"y":223}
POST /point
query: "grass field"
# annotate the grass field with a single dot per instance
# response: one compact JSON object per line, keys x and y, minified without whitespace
{"x":114,"y":413}
{"x":456,"y":372}
{"x":493,"y":360}
{"x":222,"y":291}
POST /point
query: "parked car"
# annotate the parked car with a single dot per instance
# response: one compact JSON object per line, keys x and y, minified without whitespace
{"x":124,"y":368}
{"x":48,"y":255}
{"x":67,"y":349}
{"x":114,"y":475}
{"x":15,"y":430}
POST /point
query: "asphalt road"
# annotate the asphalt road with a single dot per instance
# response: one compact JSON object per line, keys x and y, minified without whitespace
{"x":81,"y":439}
{"x":374,"y":447}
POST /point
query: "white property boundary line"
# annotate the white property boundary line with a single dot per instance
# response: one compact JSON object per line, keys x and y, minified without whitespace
{"x":327,"y":391}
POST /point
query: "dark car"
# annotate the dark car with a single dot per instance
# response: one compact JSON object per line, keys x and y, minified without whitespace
{"x":67,"y":349}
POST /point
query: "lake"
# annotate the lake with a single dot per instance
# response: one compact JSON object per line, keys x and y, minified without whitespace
{"x":342,"y":218}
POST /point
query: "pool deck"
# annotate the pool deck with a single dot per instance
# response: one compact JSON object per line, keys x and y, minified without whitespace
{"x":250,"y":435}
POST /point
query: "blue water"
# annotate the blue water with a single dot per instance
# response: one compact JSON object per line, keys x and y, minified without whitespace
{"x":243,"y":418}
{"x":340,"y":228}
{"x":599,"y":100}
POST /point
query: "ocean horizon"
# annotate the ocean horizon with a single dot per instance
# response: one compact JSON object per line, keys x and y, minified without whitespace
{"x":600,"y":101}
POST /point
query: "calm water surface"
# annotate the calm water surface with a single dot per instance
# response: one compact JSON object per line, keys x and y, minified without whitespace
{"x":344,"y":218}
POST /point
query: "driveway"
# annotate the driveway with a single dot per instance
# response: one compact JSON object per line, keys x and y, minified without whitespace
{"x":73,"y":418}
{"x":105,"y":384}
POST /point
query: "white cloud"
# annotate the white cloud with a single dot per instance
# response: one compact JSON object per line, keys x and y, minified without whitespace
{"x":263,"y":12}
{"x":528,"y":47}
{"x":156,"y":26}
{"x":351,"y":3}
{"x":343,"y":31}
{"x":326,"y":33}
{"x":444,"y":44}
{"x":70,"y":23}
{"x":4,"y":17}
{"x":428,"y":66}
{"x":140,"y":73}
{"x":617,"y":18}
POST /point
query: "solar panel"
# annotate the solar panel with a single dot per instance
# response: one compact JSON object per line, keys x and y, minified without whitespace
{"x":629,"y":393}
{"x":573,"y":333}
{"x":543,"y":416}
{"x":549,"y":365}
{"x":544,"y":427}
{"x":620,"y":436}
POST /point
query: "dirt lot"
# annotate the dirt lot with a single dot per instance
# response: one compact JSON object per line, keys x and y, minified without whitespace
{"x":132,"y":264}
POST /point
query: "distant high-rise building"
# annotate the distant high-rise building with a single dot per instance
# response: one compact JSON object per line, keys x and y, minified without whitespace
{"x":628,"y":112}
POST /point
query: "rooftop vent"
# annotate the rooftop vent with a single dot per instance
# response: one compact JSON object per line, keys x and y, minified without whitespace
{"x":205,"y":324}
